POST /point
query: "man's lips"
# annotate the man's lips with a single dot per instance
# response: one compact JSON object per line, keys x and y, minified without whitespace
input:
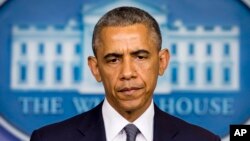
{"x":129,"y":90}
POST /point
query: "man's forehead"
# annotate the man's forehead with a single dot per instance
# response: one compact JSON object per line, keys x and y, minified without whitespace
{"x":123,"y":50}
{"x":124,"y":34}
{"x":125,"y":37}
{"x":121,"y":39}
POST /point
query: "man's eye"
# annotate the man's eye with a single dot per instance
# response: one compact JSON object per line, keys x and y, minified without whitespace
{"x":113,"y":60}
{"x":141,"y":57}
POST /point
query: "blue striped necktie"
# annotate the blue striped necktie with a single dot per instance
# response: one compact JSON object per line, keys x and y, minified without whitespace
{"x":131,"y":132}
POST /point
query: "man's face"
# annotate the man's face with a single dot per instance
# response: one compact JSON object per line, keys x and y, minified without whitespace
{"x":128,"y":63}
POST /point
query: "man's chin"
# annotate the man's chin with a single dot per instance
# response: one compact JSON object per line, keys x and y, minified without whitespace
{"x":130,"y":106}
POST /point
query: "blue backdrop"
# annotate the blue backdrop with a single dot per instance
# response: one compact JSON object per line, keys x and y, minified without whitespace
{"x":44,"y":77}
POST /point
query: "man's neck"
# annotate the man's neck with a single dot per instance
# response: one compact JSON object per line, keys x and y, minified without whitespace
{"x":132,"y":115}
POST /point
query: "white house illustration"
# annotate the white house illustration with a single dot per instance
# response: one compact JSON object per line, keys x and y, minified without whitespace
{"x":54,"y":57}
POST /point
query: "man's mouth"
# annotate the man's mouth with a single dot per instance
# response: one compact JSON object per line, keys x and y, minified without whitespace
{"x":129,"y":90}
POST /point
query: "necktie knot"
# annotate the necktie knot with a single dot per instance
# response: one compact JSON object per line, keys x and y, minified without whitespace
{"x":131,"y":132}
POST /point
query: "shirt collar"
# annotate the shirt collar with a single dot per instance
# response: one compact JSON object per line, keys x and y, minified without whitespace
{"x":114,"y":122}
{"x":148,"y":118}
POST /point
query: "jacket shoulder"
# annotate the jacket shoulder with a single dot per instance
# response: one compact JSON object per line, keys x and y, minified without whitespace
{"x":183,"y":130}
{"x":67,"y":129}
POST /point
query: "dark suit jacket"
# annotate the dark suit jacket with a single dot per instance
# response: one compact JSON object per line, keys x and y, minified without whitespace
{"x":89,"y":126}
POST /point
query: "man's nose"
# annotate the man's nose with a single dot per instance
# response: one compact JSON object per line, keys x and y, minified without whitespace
{"x":127,"y":70}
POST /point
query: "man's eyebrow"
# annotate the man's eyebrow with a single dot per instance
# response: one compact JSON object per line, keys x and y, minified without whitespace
{"x":119,"y":55}
{"x":112,"y":55}
{"x":141,"y":51}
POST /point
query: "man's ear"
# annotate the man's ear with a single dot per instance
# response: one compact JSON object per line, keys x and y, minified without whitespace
{"x":164,"y":57}
{"x":93,"y":65}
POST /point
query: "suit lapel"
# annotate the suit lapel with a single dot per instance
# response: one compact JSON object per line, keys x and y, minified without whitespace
{"x":164,"y":128}
{"x":92,"y":127}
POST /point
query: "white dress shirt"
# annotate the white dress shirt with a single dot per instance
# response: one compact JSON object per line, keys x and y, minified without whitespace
{"x":114,"y":124}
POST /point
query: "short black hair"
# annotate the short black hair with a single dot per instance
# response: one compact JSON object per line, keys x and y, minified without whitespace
{"x":125,"y":16}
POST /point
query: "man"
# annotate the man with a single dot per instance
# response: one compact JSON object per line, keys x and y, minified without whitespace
{"x":128,"y":59}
